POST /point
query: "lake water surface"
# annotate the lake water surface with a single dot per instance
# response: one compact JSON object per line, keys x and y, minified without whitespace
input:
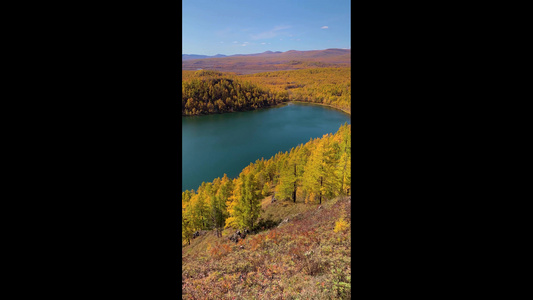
{"x":227,"y":143}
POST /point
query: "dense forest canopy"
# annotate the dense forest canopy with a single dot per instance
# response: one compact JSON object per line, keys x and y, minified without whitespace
{"x":329,"y":86}
{"x":210,"y":92}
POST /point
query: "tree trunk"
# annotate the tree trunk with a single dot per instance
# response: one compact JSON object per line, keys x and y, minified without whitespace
{"x":342,"y":180}
{"x":320,"y":199}
{"x":294,"y":191}
{"x":251,"y":214}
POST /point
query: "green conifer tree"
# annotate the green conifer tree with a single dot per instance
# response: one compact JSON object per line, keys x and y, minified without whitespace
{"x":250,"y":201}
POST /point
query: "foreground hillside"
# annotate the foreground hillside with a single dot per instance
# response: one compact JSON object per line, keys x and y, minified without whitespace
{"x":307,"y":256}
{"x":279,"y":230}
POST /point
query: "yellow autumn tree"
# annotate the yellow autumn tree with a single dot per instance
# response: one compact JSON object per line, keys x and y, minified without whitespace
{"x":232,"y":203}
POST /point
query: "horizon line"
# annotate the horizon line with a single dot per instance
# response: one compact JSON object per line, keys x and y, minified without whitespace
{"x":267,"y":51}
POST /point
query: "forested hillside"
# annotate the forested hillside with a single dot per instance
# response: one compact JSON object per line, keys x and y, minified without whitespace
{"x":209,"y":92}
{"x":295,"y":208}
{"x":329,"y":86}
{"x":309,"y":173}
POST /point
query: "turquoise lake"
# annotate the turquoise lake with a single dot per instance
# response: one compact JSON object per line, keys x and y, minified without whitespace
{"x":226,"y":143}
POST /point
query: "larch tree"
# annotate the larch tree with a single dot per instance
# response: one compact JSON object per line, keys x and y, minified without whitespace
{"x":285,"y":180}
{"x":332,"y":182}
{"x":311,"y":174}
{"x":289,"y":176}
{"x":200,"y":209}
{"x":270,"y":170}
{"x":187,"y":222}
{"x":232,"y":204}
{"x":222,"y":194}
{"x":250,"y":200}
{"x":186,"y":230}
{"x":345,"y":159}
{"x":214,"y":205}
{"x":186,"y":197}
{"x":320,"y":178}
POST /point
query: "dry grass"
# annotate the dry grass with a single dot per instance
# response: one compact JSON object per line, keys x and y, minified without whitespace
{"x":290,"y":60}
{"x":301,"y":259}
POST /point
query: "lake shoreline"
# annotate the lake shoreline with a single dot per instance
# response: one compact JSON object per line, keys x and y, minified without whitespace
{"x":322,"y":104}
{"x":273,"y":106}
{"x":226,"y":143}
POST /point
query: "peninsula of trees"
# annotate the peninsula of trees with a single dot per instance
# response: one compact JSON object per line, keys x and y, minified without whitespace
{"x":210,"y":92}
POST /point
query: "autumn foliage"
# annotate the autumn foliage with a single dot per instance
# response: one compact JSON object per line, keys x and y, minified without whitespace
{"x":207,"y":92}
{"x":310,"y":173}
{"x":210,"y":92}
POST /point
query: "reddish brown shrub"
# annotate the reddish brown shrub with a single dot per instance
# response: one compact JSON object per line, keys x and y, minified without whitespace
{"x":219,"y":250}
{"x":273,"y":236}
{"x":257,"y":242}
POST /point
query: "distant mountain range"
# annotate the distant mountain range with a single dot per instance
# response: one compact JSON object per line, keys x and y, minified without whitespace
{"x":198,"y":56}
{"x":268,"y":61}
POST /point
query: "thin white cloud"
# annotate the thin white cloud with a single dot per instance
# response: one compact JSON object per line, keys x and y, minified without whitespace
{"x":324,"y":27}
{"x":224,"y":32}
{"x":244,"y":45}
{"x":269,"y":34}
{"x":235,"y":42}
{"x":263,"y":43}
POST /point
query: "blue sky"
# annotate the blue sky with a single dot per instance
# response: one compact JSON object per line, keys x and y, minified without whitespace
{"x":252,"y":26}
